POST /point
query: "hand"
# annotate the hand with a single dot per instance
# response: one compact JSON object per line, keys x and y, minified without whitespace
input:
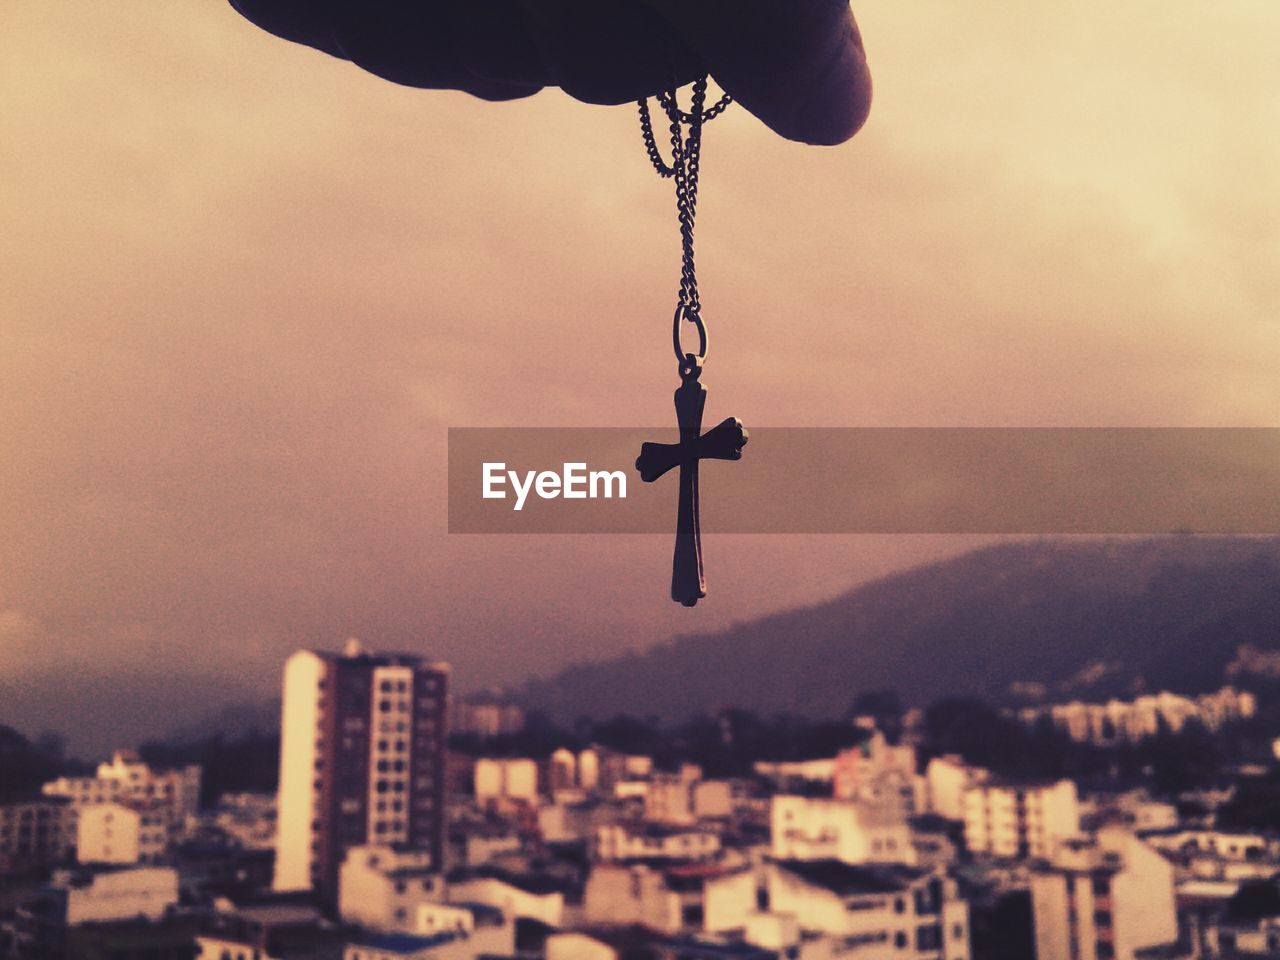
{"x":798,"y":65}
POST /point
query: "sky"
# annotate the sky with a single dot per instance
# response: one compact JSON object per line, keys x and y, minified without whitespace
{"x":246,"y":288}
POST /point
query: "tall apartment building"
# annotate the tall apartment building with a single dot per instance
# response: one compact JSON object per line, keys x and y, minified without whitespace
{"x":362,"y":757}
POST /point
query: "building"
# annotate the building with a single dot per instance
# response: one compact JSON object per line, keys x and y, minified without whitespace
{"x":850,"y":831}
{"x":699,"y":897}
{"x":247,"y":818}
{"x":870,"y":912}
{"x":1128,"y":721}
{"x":788,"y":774}
{"x":122,"y":833}
{"x":361,"y":761}
{"x":1016,"y":821}
{"x":634,"y":943}
{"x":946,"y":779}
{"x":669,"y":800}
{"x":653,"y":841}
{"x":532,"y":896}
{"x":125,"y":778}
{"x":497,"y":780}
{"x":488,"y":718}
{"x":267,"y":931}
{"x":569,"y":822}
{"x":403,"y":946}
{"x":103,"y":895}
{"x":713,"y":799}
{"x":392,"y":892}
{"x":1103,"y":898}
{"x":35,"y":833}
{"x":383,"y":888}
{"x":878,"y":771}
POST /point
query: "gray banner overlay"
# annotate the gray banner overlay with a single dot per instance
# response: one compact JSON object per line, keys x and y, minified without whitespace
{"x":878,"y":480}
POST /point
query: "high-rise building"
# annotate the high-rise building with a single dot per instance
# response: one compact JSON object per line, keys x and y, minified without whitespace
{"x":362,"y":751}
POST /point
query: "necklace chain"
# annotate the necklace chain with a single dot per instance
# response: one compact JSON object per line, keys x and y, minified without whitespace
{"x":686,"y":153}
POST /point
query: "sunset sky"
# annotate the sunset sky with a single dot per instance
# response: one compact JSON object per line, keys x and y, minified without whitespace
{"x":246,"y":288}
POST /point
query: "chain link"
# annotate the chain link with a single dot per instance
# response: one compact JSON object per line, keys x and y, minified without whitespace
{"x":686,"y":154}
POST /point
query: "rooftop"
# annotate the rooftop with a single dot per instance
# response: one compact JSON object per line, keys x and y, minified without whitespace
{"x":401,"y":942}
{"x":538,"y":884}
{"x":847,"y":879}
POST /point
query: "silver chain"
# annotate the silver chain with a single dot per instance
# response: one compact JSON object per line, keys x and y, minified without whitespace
{"x":686,"y":152}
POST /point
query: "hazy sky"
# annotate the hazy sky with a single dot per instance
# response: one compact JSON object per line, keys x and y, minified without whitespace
{"x":245,"y":288}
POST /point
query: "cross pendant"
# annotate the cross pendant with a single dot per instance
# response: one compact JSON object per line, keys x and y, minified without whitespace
{"x":722,"y":442}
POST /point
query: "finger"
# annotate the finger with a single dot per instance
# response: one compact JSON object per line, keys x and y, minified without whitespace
{"x":609,"y":52}
{"x":481,"y":47}
{"x":414,"y":43}
{"x":798,"y":65}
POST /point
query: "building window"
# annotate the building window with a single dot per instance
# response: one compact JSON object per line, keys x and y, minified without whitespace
{"x":900,"y":906}
{"x":928,"y":938}
{"x":900,"y":940}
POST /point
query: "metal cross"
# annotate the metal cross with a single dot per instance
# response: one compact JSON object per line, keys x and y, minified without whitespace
{"x":722,"y":442}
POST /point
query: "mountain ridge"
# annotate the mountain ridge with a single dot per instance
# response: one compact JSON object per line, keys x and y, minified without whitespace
{"x":1094,"y":618}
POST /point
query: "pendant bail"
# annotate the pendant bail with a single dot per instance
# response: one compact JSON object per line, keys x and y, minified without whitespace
{"x":685,"y":312}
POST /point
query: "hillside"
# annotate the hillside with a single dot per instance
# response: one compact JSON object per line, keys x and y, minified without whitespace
{"x":1016,"y":621}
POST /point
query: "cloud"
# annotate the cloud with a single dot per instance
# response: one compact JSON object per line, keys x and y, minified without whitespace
{"x":248,"y":287}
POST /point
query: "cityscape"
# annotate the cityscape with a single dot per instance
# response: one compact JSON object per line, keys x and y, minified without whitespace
{"x":405,"y":824}
{"x":975,"y":652}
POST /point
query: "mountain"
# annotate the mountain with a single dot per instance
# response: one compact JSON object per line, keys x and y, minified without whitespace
{"x":1009,"y":623}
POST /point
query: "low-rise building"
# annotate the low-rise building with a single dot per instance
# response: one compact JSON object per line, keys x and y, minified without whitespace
{"x":97,"y":894}
{"x":700,"y":897}
{"x":669,"y":800}
{"x":877,"y":771}
{"x":851,"y":831}
{"x":568,"y":822}
{"x":248,"y":818}
{"x":281,"y":930}
{"x":946,"y":780}
{"x":122,"y":833}
{"x":1019,"y":820}
{"x":36,"y":833}
{"x":713,"y":799}
{"x":651,"y":841}
{"x":1129,"y":721}
{"x":869,"y":911}
{"x":537,"y":897}
{"x":386,"y":888}
{"x":126,"y":778}
{"x":500,"y":779}
{"x":625,"y":943}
